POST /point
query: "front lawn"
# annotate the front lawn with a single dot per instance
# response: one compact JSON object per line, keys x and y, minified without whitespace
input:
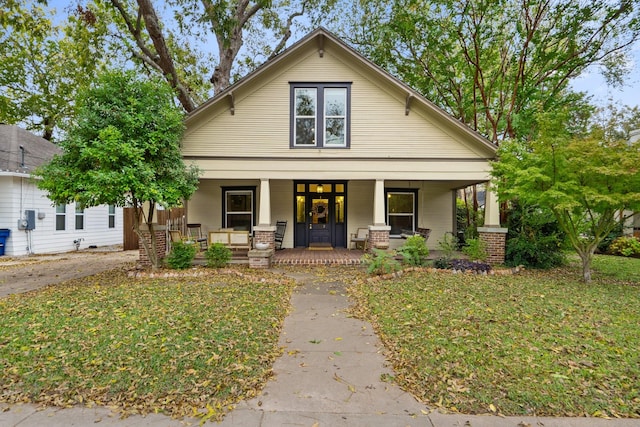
{"x":171,"y":345}
{"x":538,"y":343}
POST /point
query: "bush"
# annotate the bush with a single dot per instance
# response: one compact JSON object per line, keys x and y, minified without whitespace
{"x":466,"y":265}
{"x":448,"y":245}
{"x":625,"y":246}
{"x":603,"y":246}
{"x":217,"y":255}
{"x":442,"y":263}
{"x":380,"y":262}
{"x":476,"y":249}
{"x":534,"y":238}
{"x":414,"y":251}
{"x":181,"y":255}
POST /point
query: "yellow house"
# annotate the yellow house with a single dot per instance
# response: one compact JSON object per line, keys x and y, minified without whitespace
{"x":324,"y":139}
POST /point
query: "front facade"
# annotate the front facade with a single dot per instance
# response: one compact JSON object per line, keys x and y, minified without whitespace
{"x":35,"y":224}
{"x":322,"y":138}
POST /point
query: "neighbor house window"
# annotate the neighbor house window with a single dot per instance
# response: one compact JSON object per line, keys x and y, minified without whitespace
{"x":79,"y":217}
{"x":61,"y":217}
{"x":320,"y":114}
{"x":112,"y":216}
{"x":238,"y":208}
{"x":402,"y":206}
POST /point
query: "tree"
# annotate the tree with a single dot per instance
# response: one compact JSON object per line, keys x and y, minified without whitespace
{"x":173,"y":49}
{"x":587,"y":182}
{"x":123,"y":149}
{"x":493,"y":63}
{"x":44,"y":65}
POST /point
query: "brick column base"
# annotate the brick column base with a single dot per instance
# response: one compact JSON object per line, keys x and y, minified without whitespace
{"x":260,"y":258}
{"x":379,"y":236}
{"x":265,"y":234}
{"x":161,"y":244}
{"x":495,"y":239}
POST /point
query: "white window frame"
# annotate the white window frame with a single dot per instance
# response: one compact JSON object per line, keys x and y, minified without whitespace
{"x":61,"y":212}
{"x":79,"y":216}
{"x":111,"y":216}
{"x":413,"y":214}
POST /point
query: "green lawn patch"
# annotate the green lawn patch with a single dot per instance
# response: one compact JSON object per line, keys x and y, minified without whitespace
{"x":150,"y":345}
{"x":538,"y":343}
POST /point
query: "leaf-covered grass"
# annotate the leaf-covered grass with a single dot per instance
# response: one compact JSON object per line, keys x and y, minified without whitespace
{"x":538,"y":343}
{"x":171,"y":345}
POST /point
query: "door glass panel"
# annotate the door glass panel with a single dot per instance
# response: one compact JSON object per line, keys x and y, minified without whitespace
{"x":339,"y":188}
{"x":339,"y":209}
{"x":300,"y":188}
{"x":300,"y":209}
{"x":320,"y":211}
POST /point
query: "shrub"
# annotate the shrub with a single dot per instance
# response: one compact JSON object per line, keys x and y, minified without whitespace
{"x":448,"y":245}
{"x":603,"y":247}
{"x":625,"y":246}
{"x":181,"y":255}
{"x":380,"y":262}
{"x":466,"y":265}
{"x":442,"y":263}
{"x":217,"y":255}
{"x":534,"y":238}
{"x":414,"y":251}
{"x":476,"y":249}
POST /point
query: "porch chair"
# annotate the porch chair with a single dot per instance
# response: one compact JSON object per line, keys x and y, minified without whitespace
{"x":360,"y":238}
{"x":281,"y":226}
{"x":195,"y":234}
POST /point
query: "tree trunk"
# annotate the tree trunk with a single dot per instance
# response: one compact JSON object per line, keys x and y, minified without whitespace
{"x":586,"y":257}
{"x":149,"y":249}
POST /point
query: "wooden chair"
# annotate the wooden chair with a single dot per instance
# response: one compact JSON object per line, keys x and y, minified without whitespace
{"x":281,"y":226}
{"x":360,"y":238}
{"x":195,"y":234}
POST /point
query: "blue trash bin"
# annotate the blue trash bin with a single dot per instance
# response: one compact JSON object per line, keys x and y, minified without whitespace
{"x":4,"y":234}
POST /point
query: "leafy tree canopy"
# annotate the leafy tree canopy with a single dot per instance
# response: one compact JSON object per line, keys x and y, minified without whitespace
{"x":122,"y":149}
{"x":587,"y":182}
{"x":494,"y":63}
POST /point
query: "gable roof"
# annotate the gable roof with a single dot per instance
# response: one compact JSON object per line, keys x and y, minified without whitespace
{"x":35,"y":150}
{"x":321,"y":37}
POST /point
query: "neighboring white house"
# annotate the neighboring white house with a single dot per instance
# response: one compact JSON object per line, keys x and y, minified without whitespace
{"x":37,"y":226}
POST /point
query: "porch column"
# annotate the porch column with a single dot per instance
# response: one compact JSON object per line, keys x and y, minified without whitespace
{"x":494,"y":236}
{"x":379,"y":231}
{"x":378,"y":203}
{"x":264,"y":215}
{"x":264,"y":232}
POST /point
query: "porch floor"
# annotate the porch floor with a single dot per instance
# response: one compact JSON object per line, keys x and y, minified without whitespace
{"x":303,"y":256}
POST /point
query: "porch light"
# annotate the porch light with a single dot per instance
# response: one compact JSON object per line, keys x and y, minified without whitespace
{"x":319,"y":189}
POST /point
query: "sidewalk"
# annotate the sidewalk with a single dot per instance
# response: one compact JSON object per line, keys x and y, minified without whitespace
{"x":329,"y":375}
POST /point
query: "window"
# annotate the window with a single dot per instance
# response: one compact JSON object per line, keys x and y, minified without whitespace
{"x":61,"y":216}
{"x":401,"y":210}
{"x":112,"y":216}
{"x":238,"y":208}
{"x":320,"y":114}
{"x":79,"y":217}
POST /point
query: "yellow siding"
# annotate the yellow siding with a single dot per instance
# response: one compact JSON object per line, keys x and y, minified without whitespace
{"x":379,"y":126}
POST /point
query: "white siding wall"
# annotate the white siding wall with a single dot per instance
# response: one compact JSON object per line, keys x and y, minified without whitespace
{"x":20,"y":194}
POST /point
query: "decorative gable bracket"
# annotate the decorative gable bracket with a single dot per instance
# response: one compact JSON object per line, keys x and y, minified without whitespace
{"x":407,"y":104}
{"x":232,"y":103}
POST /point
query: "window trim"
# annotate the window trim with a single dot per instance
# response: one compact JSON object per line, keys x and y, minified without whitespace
{"x":253,"y":204}
{"x":111,"y":216}
{"x":320,"y":128}
{"x":414,"y":191}
{"x":61,"y":211}
{"x":79,"y":213}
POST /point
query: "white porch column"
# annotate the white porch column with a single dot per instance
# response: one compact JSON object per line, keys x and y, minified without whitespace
{"x":378,"y":203}
{"x":491,"y":208}
{"x":264,"y":215}
{"x":492,"y":234}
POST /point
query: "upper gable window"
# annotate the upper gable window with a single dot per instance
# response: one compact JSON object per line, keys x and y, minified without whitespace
{"x":320,"y":115}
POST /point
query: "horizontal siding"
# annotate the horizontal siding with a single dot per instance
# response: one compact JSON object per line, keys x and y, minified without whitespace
{"x":380,"y":128}
{"x":45,"y":238}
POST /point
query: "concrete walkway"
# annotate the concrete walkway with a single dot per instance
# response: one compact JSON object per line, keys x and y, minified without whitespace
{"x":330,"y":375}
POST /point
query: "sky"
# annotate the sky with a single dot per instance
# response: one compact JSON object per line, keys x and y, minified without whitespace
{"x":592,"y":82}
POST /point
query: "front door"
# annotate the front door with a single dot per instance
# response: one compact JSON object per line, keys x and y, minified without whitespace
{"x":320,"y":213}
{"x":320,"y":220}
